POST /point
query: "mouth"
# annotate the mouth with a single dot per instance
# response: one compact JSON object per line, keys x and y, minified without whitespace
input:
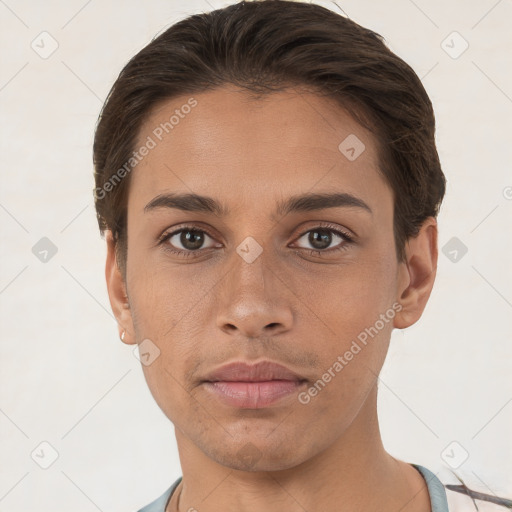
{"x":253,"y":395}
{"x":253,"y":386}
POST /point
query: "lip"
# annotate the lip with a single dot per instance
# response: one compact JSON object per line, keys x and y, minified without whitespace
{"x":253,"y":386}
{"x":259,"y":372}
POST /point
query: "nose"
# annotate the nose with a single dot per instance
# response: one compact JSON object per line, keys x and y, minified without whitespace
{"x":253,"y":300}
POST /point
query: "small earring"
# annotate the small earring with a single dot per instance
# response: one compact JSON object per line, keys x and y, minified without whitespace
{"x":122,"y":335}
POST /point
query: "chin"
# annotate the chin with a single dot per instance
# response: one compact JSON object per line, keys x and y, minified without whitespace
{"x":257,"y":455}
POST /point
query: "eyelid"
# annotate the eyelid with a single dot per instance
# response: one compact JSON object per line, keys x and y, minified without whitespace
{"x":317,"y":225}
{"x":193,"y":226}
{"x":347,"y":235}
{"x":347,"y":240}
{"x":169,"y":233}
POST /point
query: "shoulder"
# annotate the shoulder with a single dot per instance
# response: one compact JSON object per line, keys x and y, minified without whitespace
{"x":436,"y":489}
{"x":160,"y":503}
{"x":466,"y":489}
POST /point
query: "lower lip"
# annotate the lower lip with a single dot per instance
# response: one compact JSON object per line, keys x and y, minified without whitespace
{"x":253,"y":395}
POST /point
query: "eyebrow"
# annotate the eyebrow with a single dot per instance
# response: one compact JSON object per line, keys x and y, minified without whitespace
{"x":298,"y":203}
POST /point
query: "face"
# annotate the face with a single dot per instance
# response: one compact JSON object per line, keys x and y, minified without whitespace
{"x":260,"y":278}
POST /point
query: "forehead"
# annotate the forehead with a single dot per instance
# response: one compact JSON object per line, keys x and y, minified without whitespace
{"x":227,"y":144}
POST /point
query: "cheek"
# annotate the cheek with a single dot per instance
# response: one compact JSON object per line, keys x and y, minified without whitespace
{"x":164,"y":297}
{"x":168,"y":307}
{"x":353,"y":321}
{"x":338,"y":311}
{"x":352,"y":297}
{"x":334,"y":303}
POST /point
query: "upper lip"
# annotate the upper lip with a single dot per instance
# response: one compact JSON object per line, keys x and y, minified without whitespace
{"x":259,"y":372}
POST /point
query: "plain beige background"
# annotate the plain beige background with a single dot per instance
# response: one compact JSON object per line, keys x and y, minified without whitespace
{"x":66,"y":379}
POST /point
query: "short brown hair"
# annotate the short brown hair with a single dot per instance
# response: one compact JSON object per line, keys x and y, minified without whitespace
{"x":265,"y":46}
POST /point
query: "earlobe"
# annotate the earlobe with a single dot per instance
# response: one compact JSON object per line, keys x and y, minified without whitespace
{"x":117,"y":293}
{"x":417,"y":274}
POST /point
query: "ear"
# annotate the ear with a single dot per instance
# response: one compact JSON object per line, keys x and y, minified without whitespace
{"x":417,"y":274}
{"x":117,"y":292}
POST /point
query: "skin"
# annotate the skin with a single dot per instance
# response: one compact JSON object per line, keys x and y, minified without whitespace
{"x":290,"y":306}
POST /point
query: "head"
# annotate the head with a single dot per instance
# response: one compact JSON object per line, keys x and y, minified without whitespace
{"x":296,"y":154}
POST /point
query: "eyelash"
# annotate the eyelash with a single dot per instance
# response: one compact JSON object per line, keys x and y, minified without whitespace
{"x":348,"y":240}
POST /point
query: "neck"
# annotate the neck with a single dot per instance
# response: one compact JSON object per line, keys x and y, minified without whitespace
{"x":355,"y":472}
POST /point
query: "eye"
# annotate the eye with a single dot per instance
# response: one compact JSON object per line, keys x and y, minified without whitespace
{"x":321,"y":239}
{"x":187,"y":240}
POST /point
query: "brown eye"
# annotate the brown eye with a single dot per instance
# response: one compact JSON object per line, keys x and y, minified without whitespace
{"x":186,"y":240}
{"x":191,"y":239}
{"x":320,"y":239}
